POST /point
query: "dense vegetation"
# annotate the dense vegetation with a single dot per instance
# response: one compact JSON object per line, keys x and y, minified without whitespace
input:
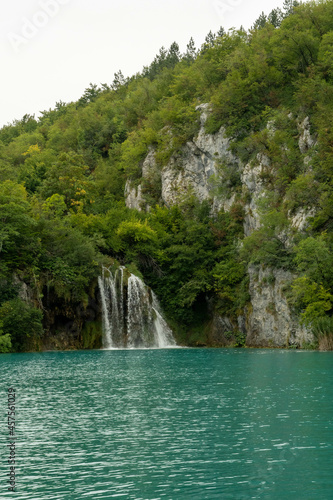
{"x":62,"y":179}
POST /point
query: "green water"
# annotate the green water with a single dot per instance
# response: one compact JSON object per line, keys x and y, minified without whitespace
{"x":170,"y":424}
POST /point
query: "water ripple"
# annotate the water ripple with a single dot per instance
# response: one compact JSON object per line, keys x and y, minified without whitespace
{"x":171,"y":424}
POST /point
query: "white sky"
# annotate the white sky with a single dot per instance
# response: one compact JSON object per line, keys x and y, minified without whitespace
{"x":52,"y":49}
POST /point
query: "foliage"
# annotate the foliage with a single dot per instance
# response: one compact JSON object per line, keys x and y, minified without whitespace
{"x":21,"y":324}
{"x":302,"y":192}
{"x":267,"y":245}
{"x":313,"y":289}
{"x":18,"y":244}
{"x":311,"y":298}
{"x":62,"y":178}
{"x":5,"y":343}
{"x":322,"y":329}
{"x":240,"y":339}
{"x":194,"y":259}
{"x":5,"y":340}
{"x":227,"y":180}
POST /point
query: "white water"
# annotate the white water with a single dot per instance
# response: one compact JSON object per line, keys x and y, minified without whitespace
{"x":132,"y":316}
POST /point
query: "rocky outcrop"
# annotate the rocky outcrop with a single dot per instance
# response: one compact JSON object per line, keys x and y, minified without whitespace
{"x":190,"y":171}
{"x":306,"y":140}
{"x":301,"y":219}
{"x":270,"y":321}
{"x":220,"y":330}
{"x":252,"y":181}
{"x":133,"y":196}
{"x":71,"y":325}
{"x":25,"y":292}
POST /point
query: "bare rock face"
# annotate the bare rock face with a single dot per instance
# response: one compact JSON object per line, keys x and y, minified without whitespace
{"x":133,"y":196}
{"x":189,"y":171}
{"x":306,"y":141}
{"x":25,"y":293}
{"x":149,"y":167}
{"x":220,"y":327}
{"x":251,"y":179}
{"x":300,"y":220}
{"x":270,"y":321}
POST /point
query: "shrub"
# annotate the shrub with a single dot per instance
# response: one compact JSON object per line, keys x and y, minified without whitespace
{"x":21,"y":324}
{"x":322,"y":329}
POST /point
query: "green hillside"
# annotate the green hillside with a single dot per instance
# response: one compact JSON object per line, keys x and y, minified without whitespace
{"x":63,"y":176}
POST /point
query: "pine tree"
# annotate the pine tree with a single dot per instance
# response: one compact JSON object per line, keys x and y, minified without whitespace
{"x":118,"y":81}
{"x":275,"y":17}
{"x":191,"y":51}
{"x":260,"y":22}
{"x":173,"y":55}
{"x":288,"y":7}
{"x":89,"y":94}
{"x":210,"y":39}
{"x":209,"y":42}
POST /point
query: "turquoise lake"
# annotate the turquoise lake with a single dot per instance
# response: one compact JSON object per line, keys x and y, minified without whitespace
{"x":170,"y":424}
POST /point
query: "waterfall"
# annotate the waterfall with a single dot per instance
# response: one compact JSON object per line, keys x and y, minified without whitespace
{"x":132,"y":316}
{"x":112,"y":307}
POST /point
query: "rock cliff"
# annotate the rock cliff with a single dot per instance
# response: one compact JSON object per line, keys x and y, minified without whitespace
{"x":268,"y":319}
{"x":190,"y":171}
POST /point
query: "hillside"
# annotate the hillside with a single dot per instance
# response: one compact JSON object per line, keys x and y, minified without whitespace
{"x":209,"y":175}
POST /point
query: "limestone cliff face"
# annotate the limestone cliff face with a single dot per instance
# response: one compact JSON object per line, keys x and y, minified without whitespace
{"x":268,"y":320}
{"x":133,"y":196}
{"x":252,"y":181}
{"x":188,"y":172}
{"x":193,"y":169}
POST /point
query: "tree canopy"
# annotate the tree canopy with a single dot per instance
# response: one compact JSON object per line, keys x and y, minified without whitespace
{"x":63,"y":175}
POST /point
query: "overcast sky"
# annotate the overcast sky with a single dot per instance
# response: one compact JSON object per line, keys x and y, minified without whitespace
{"x":52,"y":49}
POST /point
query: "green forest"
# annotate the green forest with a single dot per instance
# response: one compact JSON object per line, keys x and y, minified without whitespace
{"x":63,"y":176}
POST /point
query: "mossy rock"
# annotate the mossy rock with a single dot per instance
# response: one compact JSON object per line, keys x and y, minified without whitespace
{"x":92,"y":335}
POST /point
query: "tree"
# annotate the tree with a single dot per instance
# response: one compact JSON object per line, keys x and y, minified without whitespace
{"x":36,"y":164}
{"x":90,"y":94}
{"x":55,"y":206}
{"x":16,"y":225}
{"x":173,"y":56}
{"x":118,"y":81}
{"x":275,"y":17}
{"x":22,"y":324}
{"x":210,"y":39}
{"x":314,"y":258}
{"x":325,"y":56}
{"x":67,"y":177}
{"x":209,"y":42}
{"x":311,"y":298}
{"x":191,"y":51}
{"x":289,"y":6}
{"x":260,"y":22}
{"x":157,"y":65}
{"x":5,"y":340}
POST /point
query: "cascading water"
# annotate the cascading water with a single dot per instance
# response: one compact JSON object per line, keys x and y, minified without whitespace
{"x":132,"y":316}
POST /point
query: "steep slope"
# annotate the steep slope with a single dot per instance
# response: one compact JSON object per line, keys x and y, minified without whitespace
{"x":209,"y":175}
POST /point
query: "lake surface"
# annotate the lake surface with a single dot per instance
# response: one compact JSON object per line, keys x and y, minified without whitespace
{"x":170,"y":424}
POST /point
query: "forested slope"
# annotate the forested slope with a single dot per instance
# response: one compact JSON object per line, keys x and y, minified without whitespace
{"x":265,"y":220}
